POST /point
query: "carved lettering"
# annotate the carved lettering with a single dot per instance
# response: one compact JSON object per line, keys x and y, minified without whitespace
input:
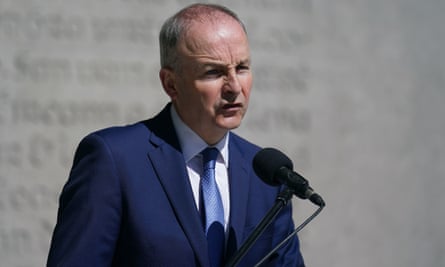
{"x":19,"y":26}
{"x":41,"y":149}
{"x":61,"y":69}
{"x":65,"y":113}
{"x":110,"y":72}
{"x":19,"y":198}
{"x":4,"y":107}
{"x":123,"y":30}
{"x":271,"y":119}
{"x":15,"y":240}
{"x":41,"y":69}
{"x":280,"y":40}
{"x":280,"y":79}
{"x":11,"y":155}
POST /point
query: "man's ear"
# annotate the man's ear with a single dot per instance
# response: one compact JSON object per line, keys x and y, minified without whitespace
{"x":168,"y":81}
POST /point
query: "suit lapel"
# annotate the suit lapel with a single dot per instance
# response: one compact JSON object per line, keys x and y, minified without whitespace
{"x":174,"y":179}
{"x":239,"y":194}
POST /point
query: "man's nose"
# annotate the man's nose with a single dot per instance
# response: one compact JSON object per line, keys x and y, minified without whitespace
{"x":232,"y":87}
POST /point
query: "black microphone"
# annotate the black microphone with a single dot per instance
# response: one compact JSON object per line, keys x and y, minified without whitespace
{"x":275,"y":168}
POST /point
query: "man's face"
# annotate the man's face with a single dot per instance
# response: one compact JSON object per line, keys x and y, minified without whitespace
{"x":213,"y":80}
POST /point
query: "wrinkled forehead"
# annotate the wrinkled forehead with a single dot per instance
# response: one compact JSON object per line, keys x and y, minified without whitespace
{"x":206,"y":14}
{"x":215,"y":38}
{"x":213,"y":30}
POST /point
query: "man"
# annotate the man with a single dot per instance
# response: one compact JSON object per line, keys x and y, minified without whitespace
{"x":135,"y":195}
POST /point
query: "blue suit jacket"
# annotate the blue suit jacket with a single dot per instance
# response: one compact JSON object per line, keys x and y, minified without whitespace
{"x":128,"y":202}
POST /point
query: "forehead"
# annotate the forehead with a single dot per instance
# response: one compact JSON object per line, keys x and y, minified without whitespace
{"x":215,"y":38}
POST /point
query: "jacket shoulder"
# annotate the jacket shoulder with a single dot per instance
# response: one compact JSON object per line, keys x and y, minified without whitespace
{"x":247,"y":148}
{"x":122,"y":132}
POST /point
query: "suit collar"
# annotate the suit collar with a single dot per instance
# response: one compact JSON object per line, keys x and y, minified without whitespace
{"x":163,"y":131}
{"x":239,"y":194}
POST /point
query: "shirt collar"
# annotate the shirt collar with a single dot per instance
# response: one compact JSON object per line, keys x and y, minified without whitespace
{"x":192,"y":144}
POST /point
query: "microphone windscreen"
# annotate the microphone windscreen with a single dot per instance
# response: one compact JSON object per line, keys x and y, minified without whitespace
{"x":267,"y":162}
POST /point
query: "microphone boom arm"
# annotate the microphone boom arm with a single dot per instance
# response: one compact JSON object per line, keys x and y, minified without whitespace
{"x":301,"y":226}
{"x":280,"y":202}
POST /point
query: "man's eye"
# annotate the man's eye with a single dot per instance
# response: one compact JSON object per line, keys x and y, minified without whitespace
{"x":241,"y":68}
{"x":214,"y":73}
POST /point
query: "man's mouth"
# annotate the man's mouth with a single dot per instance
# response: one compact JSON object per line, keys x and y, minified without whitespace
{"x":234,"y":106}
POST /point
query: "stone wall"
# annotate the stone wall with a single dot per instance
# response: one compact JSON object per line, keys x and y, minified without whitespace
{"x":352,"y":91}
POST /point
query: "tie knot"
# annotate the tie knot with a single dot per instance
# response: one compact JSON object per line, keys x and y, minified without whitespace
{"x":209,"y":156}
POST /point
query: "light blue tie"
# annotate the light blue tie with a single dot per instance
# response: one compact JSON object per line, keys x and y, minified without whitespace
{"x":213,"y":208}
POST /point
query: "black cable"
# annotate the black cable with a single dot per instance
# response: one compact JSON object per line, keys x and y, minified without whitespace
{"x":280,"y":202}
{"x":301,"y":226}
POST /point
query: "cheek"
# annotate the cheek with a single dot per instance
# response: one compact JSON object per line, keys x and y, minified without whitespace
{"x":247,"y":85}
{"x":209,"y":91}
{"x":192,"y":93}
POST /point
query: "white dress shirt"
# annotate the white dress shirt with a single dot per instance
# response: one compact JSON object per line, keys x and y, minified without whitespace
{"x":192,"y":145}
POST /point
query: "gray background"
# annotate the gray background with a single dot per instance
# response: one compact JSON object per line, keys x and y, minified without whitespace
{"x":352,"y":91}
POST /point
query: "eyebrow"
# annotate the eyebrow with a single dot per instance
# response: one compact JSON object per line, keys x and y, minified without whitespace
{"x":221,"y":64}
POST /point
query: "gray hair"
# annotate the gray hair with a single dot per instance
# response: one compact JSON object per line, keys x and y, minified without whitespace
{"x":173,"y":28}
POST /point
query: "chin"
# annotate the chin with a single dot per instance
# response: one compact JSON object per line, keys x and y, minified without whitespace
{"x":230,"y":123}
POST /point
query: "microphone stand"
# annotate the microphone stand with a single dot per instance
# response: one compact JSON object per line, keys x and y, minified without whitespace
{"x":281,"y":201}
{"x":301,"y":226}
